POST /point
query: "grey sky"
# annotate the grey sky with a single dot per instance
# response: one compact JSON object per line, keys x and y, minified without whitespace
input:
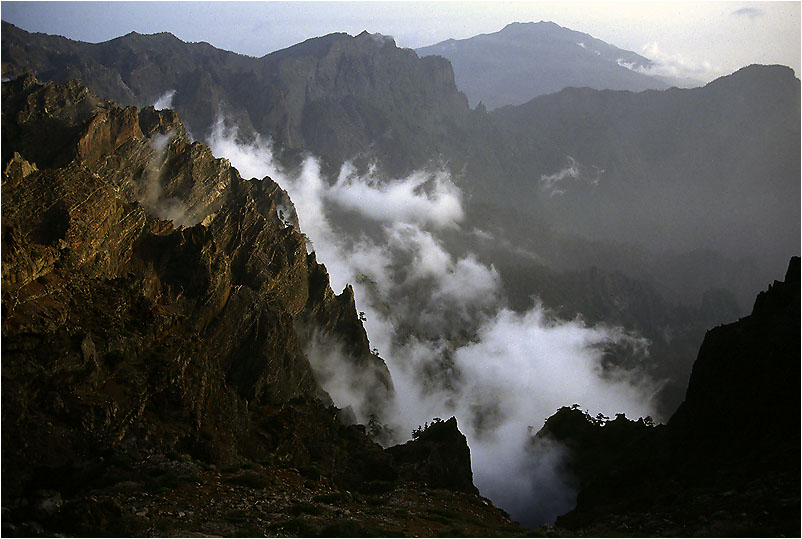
{"x":702,"y":40}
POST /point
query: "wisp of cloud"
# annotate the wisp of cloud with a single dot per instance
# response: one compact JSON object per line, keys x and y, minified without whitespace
{"x":439,"y":320}
{"x":165,"y":101}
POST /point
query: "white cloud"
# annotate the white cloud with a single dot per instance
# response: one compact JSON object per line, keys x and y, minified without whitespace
{"x":165,"y":101}
{"x":428,"y":198}
{"x":253,"y":160}
{"x":437,"y":319}
{"x":674,"y":65}
{"x":556,"y":184}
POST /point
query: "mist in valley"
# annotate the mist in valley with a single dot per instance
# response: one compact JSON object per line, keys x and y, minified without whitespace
{"x":530,"y":219}
{"x":443,"y":324}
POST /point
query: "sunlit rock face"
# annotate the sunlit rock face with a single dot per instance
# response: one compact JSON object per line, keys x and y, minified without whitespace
{"x":121,"y":327}
{"x":337,"y":96}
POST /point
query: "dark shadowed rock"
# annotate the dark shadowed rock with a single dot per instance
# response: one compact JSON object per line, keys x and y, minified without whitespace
{"x":156,"y":312}
{"x":727,"y":463}
{"x":439,"y":457}
{"x":743,"y":396}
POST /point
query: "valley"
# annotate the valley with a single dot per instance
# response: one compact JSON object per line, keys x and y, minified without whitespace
{"x":262,"y":275}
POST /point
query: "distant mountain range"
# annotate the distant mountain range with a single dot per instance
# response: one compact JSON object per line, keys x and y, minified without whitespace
{"x":661,"y":167}
{"x":727,"y":154}
{"x":149,"y":368}
{"x":335,"y":95}
{"x":692,"y":190}
{"x":525,"y":60}
{"x":138,"y":349}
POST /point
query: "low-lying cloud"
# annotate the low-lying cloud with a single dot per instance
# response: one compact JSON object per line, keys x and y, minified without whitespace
{"x":439,"y":320}
{"x":427,"y":198}
{"x":681,"y":69}
{"x":165,"y":101}
{"x":557,"y":184}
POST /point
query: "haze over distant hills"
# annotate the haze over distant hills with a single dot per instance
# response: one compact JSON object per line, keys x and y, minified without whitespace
{"x":559,"y":162}
{"x":525,"y":60}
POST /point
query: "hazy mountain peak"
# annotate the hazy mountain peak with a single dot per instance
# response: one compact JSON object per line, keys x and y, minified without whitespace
{"x":376,"y":38}
{"x":759,"y":71}
{"x":315,"y":46}
{"x":320,"y":47}
{"x":531,"y":26}
{"x":527,"y":59}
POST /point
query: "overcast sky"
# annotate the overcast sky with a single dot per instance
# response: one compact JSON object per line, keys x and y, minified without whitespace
{"x":702,"y":40}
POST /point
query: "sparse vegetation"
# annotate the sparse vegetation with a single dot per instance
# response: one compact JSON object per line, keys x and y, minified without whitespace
{"x":421,"y":429}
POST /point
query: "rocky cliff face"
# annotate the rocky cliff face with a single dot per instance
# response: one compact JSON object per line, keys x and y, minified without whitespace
{"x":137,"y":307}
{"x":727,"y":463}
{"x":154,"y":303}
{"x":338,"y":96}
{"x":342,"y":97}
{"x":743,"y":395}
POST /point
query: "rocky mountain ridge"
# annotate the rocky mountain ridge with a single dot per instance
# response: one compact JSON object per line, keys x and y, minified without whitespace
{"x":726,"y":464}
{"x":338,"y":96}
{"x":143,"y":354}
{"x":537,"y":178}
{"x":362,"y":98}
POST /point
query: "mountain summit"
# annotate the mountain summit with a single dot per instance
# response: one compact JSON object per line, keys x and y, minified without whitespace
{"x":525,"y":60}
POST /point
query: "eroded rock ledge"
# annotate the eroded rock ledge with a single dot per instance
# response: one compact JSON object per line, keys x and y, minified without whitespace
{"x":156,"y":309}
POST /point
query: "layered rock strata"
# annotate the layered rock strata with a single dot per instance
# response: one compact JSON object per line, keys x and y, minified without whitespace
{"x":155,"y":303}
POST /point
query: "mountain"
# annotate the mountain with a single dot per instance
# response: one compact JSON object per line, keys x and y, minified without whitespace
{"x":146,"y":360}
{"x":727,"y":463}
{"x":713,"y":168}
{"x":160,"y":313}
{"x":525,"y":60}
{"x":672,"y":196}
{"x":337,"y":96}
{"x":606,"y":166}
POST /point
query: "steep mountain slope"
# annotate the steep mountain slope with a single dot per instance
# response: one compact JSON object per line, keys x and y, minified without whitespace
{"x":525,"y":60}
{"x":140,"y":353}
{"x":646,"y":169}
{"x":658,"y":168}
{"x":728,"y":461}
{"x":648,"y":188}
{"x":337,"y":96}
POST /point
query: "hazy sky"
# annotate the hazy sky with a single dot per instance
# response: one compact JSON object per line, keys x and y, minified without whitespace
{"x":704,"y":39}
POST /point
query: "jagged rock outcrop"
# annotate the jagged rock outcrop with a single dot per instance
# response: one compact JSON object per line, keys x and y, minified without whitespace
{"x":338,"y":96}
{"x":125,"y":332}
{"x":744,"y":388}
{"x":439,"y":456}
{"x":727,"y":463}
